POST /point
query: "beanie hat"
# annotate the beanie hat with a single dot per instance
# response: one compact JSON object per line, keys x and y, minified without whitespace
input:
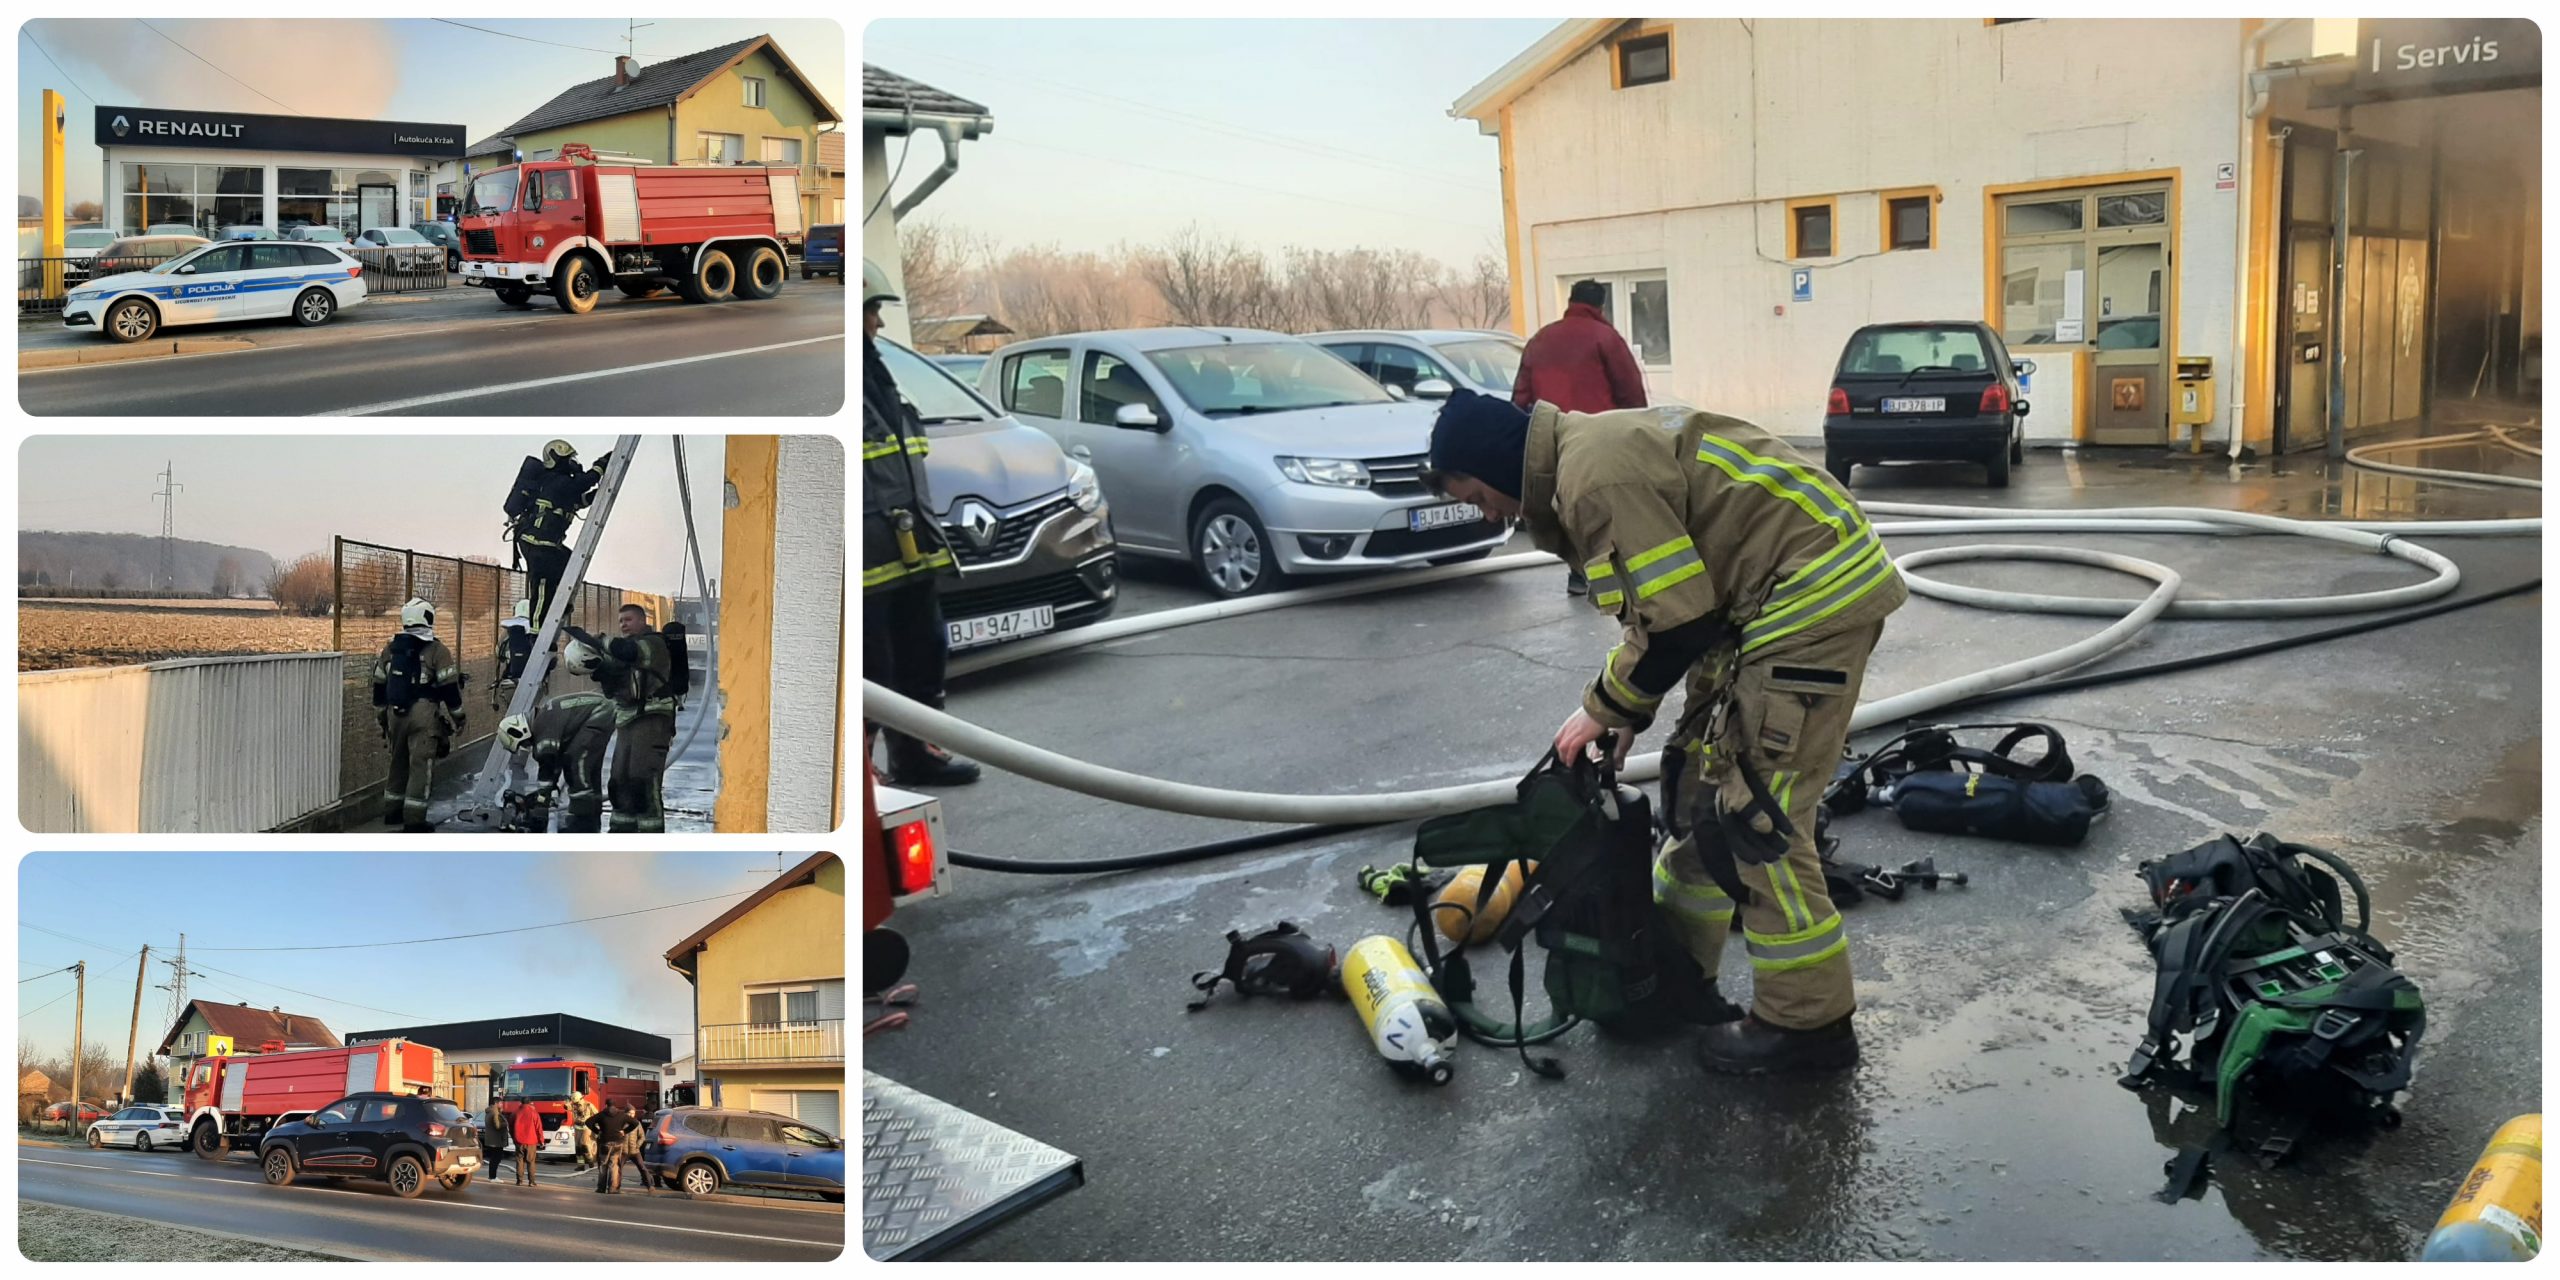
{"x":1482,"y":436}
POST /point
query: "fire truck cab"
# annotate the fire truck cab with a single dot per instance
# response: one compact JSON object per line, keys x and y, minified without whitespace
{"x":547,"y":1084}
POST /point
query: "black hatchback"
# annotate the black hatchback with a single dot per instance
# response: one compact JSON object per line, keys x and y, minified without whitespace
{"x":1926,"y":391}
{"x":398,"y":1139}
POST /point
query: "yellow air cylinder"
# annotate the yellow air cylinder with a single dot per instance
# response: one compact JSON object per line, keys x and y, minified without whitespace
{"x":2496,"y":1215}
{"x":1408,"y":1024}
{"x":1454,"y":912}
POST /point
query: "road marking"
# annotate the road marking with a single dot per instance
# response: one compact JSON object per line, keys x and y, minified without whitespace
{"x":475,"y":393}
{"x":458,"y":1204}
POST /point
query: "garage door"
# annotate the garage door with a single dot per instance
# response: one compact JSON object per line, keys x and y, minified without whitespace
{"x":821,"y":1108}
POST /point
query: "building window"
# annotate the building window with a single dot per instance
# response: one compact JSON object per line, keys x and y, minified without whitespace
{"x":1644,"y":58}
{"x":1638,"y":305}
{"x":205,"y":197}
{"x":791,"y":1005}
{"x":2085,"y":267}
{"x":1810,"y":227}
{"x":348,"y":199}
{"x":723,"y":148}
{"x":1910,"y":219}
{"x":754,"y":90}
{"x":782,"y":151}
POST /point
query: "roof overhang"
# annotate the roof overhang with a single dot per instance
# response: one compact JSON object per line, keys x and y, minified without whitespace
{"x":1571,"y":39}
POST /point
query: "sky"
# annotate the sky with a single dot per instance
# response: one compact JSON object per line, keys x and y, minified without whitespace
{"x":611,"y":971}
{"x":408,"y":69}
{"x":442,"y":494}
{"x":1324,"y":134}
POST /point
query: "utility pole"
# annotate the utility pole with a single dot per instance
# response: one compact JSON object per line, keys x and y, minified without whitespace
{"x":168,"y":496}
{"x":134,"y":1032}
{"x":79,"y":1010}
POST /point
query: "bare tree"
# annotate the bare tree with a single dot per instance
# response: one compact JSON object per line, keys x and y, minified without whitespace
{"x":303,"y":585}
{"x":941,"y":265}
{"x":1039,"y":291}
{"x":1478,"y":297}
{"x":84,"y":211}
{"x":228,"y":577}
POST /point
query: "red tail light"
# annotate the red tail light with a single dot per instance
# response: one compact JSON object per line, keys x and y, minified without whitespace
{"x":355,"y":271}
{"x":1995,"y":399}
{"x":1839,"y":406}
{"x":914,"y":845}
{"x":434,"y":1130}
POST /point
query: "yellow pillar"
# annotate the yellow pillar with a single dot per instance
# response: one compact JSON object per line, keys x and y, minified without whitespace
{"x":51,"y":251}
{"x":746,"y":634}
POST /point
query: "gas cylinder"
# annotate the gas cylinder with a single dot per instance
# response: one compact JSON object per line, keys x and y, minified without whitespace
{"x":1451,"y":908}
{"x":2496,"y":1215}
{"x":1407,"y":1023}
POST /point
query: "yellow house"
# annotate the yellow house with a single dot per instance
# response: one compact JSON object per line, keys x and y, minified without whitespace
{"x":768,"y":997}
{"x":742,"y":103}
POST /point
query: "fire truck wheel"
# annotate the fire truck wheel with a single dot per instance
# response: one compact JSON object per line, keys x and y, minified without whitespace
{"x":699,"y":1178}
{"x":278,"y":1167}
{"x":648,"y":290}
{"x":514,"y":295}
{"x":407,"y":1176}
{"x":208,"y":1141}
{"x":576,"y":286}
{"x":765,"y":273}
{"x":716,"y":280}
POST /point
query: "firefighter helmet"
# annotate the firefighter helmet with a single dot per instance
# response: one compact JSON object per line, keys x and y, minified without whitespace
{"x":513,"y":731}
{"x":417,"y":613}
{"x":579,"y":657}
{"x":561,"y":450}
{"x":875,"y":284}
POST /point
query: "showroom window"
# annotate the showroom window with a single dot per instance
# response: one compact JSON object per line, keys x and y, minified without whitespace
{"x":204,"y":196}
{"x":1638,"y":305}
{"x":348,"y":199}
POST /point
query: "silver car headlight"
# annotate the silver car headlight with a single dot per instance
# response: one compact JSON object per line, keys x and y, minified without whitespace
{"x":1334,"y":473}
{"x":1084,"y":486}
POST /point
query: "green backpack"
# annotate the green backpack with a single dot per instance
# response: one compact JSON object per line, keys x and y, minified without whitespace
{"x":1610,"y":959}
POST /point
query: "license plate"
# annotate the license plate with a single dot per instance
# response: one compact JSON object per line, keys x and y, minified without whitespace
{"x":1421,"y":518}
{"x":969,"y":633}
{"x":1915,"y":404}
{"x":465,"y":1162}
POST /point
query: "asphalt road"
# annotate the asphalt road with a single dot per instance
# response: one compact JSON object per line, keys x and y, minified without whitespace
{"x":489,"y":1222}
{"x":1985,"y":1121}
{"x":659,"y":357}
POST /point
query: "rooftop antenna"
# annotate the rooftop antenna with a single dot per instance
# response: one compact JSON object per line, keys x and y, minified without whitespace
{"x":630,"y":30}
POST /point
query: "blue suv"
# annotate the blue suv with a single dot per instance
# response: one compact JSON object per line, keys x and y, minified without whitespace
{"x":699,"y":1150}
{"x":822,"y":254}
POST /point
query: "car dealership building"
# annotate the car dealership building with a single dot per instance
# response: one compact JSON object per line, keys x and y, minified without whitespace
{"x":213,"y":169}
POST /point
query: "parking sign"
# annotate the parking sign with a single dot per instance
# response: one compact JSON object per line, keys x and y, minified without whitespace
{"x":1804,"y":284}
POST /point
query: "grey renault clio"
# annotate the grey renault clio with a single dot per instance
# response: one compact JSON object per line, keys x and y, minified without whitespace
{"x":1027,"y":524}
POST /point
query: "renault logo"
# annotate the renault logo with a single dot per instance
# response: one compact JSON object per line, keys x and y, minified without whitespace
{"x":979,"y":523}
{"x":119,"y":126}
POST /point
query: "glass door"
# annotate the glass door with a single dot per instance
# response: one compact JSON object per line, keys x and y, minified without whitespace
{"x":2128,"y":307}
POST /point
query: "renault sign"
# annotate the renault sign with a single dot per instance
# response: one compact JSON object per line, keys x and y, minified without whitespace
{"x":152,"y":127}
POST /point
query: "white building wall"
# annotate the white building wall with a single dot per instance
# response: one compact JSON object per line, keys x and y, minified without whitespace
{"x":808,"y":632}
{"x":880,"y":231}
{"x":1692,"y":177}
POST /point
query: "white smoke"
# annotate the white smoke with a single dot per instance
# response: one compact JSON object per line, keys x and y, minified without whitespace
{"x":312,"y":67}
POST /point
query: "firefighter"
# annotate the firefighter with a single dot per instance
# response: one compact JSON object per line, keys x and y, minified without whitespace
{"x":1732,"y":561}
{"x":636,"y":669}
{"x":564,"y":740}
{"x":582,"y":1114}
{"x":515,"y":647}
{"x":904,"y":558}
{"x":417,"y":696}
{"x":550,"y":490}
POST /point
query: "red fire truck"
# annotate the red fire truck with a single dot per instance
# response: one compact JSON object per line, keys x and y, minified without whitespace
{"x":233,"y":1099}
{"x":574,"y":227}
{"x":546,"y":1085}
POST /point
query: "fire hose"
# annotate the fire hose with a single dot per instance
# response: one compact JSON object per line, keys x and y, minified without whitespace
{"x":2491,"y":433}
{"x":2131,"y":619}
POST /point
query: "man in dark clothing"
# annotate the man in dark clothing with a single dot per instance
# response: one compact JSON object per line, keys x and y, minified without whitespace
{"x":1579,"y":364}
{"x":904,"y":558}
{"x":637,"y":669}
{"x":610,"y":1124}
{"x":550,"y":491}
{"x":526,"y":1127}
{"x":493,"y":1137}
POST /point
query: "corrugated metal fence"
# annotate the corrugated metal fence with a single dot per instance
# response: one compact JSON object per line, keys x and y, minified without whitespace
{"x":190,"y":744}
{"x":472,"y":598}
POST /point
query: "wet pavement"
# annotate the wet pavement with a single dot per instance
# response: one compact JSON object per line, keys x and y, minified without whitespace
{"x":1985,"y":1121}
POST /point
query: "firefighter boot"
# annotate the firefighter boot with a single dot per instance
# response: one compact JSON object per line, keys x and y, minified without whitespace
{"x":913,"y":762}
{"x":1750,"y":1047}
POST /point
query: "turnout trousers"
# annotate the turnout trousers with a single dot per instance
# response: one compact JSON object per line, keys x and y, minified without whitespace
{"x":1788,"y":708}
{"x":405,"y":788}
{"x":639,"y":773}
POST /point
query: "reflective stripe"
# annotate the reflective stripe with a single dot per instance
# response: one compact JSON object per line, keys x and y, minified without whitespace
{"x":1656,"y":570}
{"x":1687,"y":901}
{"x":1790,"y":893}
{"x":1832,"y":563}
{"x":1849,"y":592}
{"x":870,"y":449}
{"x":1784,"y":479}
{"x":1607,"y":599}
{"x":1671,"y":548}
{"x":892,"y":572}
{"x":1799,"y":950}
{"x":919,"y":446}
{"x":1770,"y":617}
{"x":1601,"y":568}
{"x":1620,"y":689}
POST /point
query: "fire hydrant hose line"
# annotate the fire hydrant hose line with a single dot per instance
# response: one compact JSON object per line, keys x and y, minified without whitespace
{"x":2131,"y":618}
{"x":2367,"y":456}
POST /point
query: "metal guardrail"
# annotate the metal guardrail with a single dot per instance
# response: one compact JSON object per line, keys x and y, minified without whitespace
{"x":402,"y":268}
{"x":817,"y":1040}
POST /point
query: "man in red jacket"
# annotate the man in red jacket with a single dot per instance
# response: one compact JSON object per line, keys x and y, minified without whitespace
{"x":1579,"y":364}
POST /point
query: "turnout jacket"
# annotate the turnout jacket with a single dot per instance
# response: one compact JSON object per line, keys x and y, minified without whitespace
{"x":634,"y":671}
{"x":1706,"y":537}
{"x":900,"y":540}
{"x":548,"y":494}
{"x":568,"y":720}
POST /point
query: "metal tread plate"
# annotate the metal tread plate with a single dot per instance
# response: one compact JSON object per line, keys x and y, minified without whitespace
{"x":933,"y":1175}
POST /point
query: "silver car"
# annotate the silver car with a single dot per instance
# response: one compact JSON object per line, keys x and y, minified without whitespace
{"x":148,"y":1127}
{"x":1253,"y":455}
{"x":1403,"y":360}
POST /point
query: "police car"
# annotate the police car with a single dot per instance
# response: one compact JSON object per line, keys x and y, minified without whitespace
{"x":226,"y":280}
